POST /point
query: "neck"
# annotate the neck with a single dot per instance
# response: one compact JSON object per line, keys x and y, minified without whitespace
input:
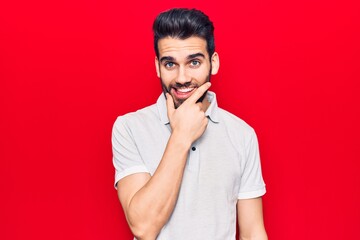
{"x":205,"y":104}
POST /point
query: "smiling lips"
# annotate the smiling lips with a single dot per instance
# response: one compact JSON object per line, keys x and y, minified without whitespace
{"x":183,"y":93}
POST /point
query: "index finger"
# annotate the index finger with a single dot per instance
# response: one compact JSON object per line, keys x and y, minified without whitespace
{"x":199,"y":92}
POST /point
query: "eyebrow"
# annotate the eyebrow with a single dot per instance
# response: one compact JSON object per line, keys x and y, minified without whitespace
{"x":195,"y":55}
{"x":191,"y":56}
{"x":167,"y":58}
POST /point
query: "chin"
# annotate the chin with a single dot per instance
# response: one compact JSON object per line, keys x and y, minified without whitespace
{"x":178,"y":102}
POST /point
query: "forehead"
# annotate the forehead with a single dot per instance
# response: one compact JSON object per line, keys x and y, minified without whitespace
{"x":179,"y":48}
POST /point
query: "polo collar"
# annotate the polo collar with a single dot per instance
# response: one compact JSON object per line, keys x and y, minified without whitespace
{"x":211,"y":112}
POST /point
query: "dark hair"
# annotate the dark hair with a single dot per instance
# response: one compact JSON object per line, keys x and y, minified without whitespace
{"x":183,"y":23}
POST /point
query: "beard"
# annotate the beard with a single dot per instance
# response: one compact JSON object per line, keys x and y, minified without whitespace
{"x":178,"y":102}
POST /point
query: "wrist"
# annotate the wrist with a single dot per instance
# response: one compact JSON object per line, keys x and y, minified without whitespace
{"x":181,"y":140}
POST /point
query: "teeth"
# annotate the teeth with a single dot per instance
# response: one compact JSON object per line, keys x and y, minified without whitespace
{"x":185,"y":90}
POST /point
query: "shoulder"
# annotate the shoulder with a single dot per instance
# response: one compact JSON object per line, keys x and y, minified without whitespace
{"x":235,"y":123}
{"x":139,"y":118}
{"x":239,"y":132}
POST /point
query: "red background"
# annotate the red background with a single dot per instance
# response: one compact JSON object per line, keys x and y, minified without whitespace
{"x":69,"y":68}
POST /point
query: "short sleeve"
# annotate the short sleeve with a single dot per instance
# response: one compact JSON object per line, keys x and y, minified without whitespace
{"x":126,"y":157}
{"x":252,"y":184}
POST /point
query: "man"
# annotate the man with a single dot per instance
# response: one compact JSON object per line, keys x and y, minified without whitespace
{"x":185,"y":168}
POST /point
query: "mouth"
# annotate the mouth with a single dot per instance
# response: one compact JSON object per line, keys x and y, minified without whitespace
{"x":182,"y":93}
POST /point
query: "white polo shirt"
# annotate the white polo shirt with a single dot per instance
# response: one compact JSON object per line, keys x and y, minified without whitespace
{"x":223,"y":166}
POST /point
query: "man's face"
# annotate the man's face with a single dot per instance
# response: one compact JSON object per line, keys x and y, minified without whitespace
{"x":183,"y":66}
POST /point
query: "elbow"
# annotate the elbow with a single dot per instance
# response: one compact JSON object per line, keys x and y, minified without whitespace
{"x":144,"y":231}
{"x":259,"y":237}
{"x":145,"y":224}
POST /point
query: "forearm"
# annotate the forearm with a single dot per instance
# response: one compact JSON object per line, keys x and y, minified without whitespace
{"x":149,"y":201}
{"x":151,"y":207}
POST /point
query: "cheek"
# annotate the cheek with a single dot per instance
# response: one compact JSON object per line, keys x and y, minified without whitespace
{"x":168,"y":77}
{"x":201,"y":76}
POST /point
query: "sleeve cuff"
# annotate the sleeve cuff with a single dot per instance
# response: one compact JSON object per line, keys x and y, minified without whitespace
{"x":129,"y":171}
{"x":252,"y":194}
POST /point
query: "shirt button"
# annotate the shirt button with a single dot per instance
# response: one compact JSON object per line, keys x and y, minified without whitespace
{"x":193,"y":148}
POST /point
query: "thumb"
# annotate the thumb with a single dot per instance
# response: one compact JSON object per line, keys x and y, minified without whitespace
{"x":170,"y":104}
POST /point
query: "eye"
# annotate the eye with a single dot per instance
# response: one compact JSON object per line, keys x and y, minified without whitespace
{"x":195,"y":63}
{"x":169,"y":64}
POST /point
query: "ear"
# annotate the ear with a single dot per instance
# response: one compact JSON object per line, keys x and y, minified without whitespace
{"x":215,"y":63}
{"x":157,"y":66}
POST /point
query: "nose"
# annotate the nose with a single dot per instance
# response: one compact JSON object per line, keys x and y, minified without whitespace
{"x":183,"y":77}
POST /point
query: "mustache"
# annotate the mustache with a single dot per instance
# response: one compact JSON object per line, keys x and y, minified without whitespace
{"x":185,"y":85}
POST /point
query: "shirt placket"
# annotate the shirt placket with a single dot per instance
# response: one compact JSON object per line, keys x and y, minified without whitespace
{"x":193,"y":161}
